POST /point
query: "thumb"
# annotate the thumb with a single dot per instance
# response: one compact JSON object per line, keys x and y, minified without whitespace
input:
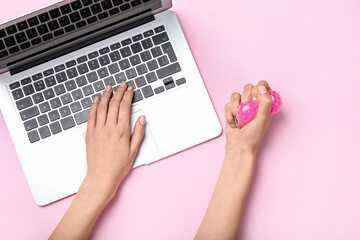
{"x":265,"y":103}
{"x":137,"y":136}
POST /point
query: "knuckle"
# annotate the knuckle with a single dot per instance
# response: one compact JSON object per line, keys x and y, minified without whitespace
{"x":248,"y":86}
{"x":235,"y":95}
{"x":263,"y":82}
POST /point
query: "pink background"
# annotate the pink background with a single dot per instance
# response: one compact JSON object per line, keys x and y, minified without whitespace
{"x":307,"y":180}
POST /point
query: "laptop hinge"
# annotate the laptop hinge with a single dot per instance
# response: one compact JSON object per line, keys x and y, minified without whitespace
{"x":81,"y":44}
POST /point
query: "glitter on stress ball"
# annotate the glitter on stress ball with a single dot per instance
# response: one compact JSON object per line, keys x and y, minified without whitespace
{"x":247,"y":110}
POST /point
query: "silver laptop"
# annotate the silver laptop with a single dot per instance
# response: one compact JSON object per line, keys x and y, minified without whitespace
{"x":54,"y":61}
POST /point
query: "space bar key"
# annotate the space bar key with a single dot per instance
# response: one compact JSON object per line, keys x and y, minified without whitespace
{"x":81,"y":117}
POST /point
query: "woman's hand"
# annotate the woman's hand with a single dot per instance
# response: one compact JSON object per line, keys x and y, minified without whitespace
{"x":110,"y":148}
{"x":248,"y":138}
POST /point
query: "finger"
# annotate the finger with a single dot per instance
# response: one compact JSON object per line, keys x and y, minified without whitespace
{"x":235,"y":103}
{"x":103,"y":106}
{"x":137,"y":136}
{"x":115,"y":104}
{"x":246,"y":94}
{"x":255,"y":90}
{"x":125,"y":107}
{"x":229,"y":117}
{"x":265,"y":102}
{"x":91,"y":123}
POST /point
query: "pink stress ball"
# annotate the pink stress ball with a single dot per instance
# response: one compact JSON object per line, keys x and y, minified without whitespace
{"x":247,"y":110}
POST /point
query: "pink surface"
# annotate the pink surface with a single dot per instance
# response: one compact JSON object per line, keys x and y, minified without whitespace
{"x":307,"y":180}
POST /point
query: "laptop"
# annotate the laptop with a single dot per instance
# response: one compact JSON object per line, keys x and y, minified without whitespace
{"x":56,"y":60}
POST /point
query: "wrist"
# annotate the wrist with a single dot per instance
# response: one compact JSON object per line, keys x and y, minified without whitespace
{"x":100,"y":192}
{"x":240,"y":158}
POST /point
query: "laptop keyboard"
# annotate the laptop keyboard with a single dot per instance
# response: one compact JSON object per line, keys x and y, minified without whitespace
{"x":59,"y":98}
{"x":59,"y":21}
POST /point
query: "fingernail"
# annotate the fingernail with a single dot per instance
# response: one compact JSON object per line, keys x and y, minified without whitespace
{"x":254,"y":98}
{"x":130,"y":88}
{"x":108,"y":87}
{"x":96,"y":100}
{"x":142,"y":120}
{"x":122,"y":84}
{"x":262,"y":89}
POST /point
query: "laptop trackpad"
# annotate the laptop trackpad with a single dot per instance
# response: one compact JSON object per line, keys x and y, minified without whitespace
{"x":148,"y":146}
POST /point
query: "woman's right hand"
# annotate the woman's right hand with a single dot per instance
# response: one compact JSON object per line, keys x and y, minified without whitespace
{"x":248,"y":137}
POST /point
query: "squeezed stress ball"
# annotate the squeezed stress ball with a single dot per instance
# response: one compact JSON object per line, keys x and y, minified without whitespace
{"x":247,"y":110}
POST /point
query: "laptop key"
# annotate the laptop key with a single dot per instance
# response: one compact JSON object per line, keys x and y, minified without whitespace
{"x":120,"y":77}
{"x":113,"y":68}
{"x":156,"y":52}
{"x":130,"y":73}
{"x":137,"y":96}
{"x":25,"y":81}
{"x":92,"y":77}
{"x":67,"y":122}
{"x":124,"y":64}
{"x":131,"y":83}
{"x":30,"y":125}
{"x":160,"y":38}
{"x":104,"y":60}
{"x":81,"y":81}
{"x":146,"y":43}
{"x":140,"y":81}
{"x":159,"y":89}
{"x":98,"y":86}
{"x":168,"y":70}
{"x":55,"y":103}
{"x":59,"y":89}
{"x":159,"y":29}
{"x":167,"y":48}
{"x":180,"y":81}
{"x":38,"y":98}
{"x":126,"y":42}
{"x":83,"y":68}
{"x":39,"y":85}
{"x":44,"y":107}
{"x":28,"y":89}
{"x":104,"y":50}
{"x":43,"y":119}
{"x":71,"y":73}
{"x":75,"y":107}
{"x":141,"y":69}
{"x":59,"y":68}
{"x":82,"y":117}
{"x":54,"y":13}
{"x":148,"y":33}
{"x":115,"y":56}
{"x":169,"y":83}
{"x":88,"y":90}
{"x":66,"y":98}
{"x":125,"y":52}
{"x":147,"y":91}
{"x":61,"y":77}
{"x":86,"y":102}
{"x":64,"y":111}
{"x":93,"y":55}
{"x":29,"y":113}
{"x":54,"y":115}
{"x":115,"y":46}
{"x":145,"y":56}
{"x":74,"y":17}
{"x":151,"y":77}
{"x":77,"y":94}
{"x":93,"y":64}
{"x":44,"y":132}
{"x":82,"y":59}
{"x":135,"y":60}
{"x":55,"y":128}
{"x":17,"y":94}
{"x":24,"y":103}
{"x":14,"y":85}
{"x":70,"y":85}
{"x":48,"y":72}
{"x":103,"y":72}
{"x":163,"y":60}
{"x":33,"y":136}
{"x":50,"y":81}
{"x":136,"y":48}
{"x":137,"y":38}
{"x":109,"y":81}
